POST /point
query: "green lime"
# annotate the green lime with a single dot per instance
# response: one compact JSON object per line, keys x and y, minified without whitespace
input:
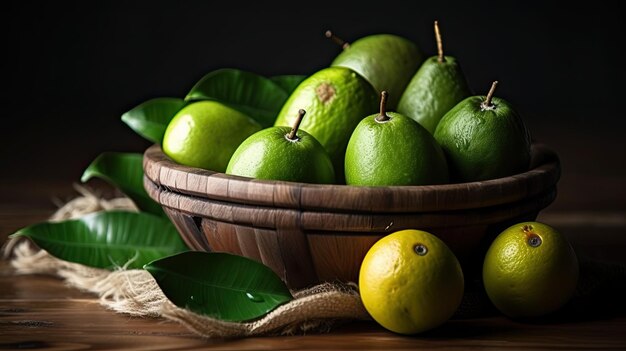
{"x":335,"y":100}
{"x":388,"y":148}
{"x":438,"y":86}
{"x":484,"y":138}
{"x":205,"y":134}
{"x":283,"y":153}
{"x":386,"y":61}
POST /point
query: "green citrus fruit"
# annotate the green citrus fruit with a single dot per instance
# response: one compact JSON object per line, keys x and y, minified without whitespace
{"x":335,"y":100}
{"x":205,"y":134}
{"x":273,"y":153}
{"x":434,"y":90}
{"x":388,"y":148}
{"x":410,"y":282}
{"x":530,"y":270}
{"x":484,"y":141}
{"x":387,"y":61}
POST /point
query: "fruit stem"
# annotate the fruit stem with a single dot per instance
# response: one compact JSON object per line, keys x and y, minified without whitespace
{"x":330,"y":35}
{"x":487,"y":103}
{"x":382,"y":116}
{"x":292,"y":134}
{"x":440,"y":57}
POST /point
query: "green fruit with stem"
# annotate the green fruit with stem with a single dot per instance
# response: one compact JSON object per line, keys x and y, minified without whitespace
{"x":391,"y":149}
{"x":283,"y":153}
{"x":205,"y":134}
{"x":484,"y":138}
{"x":335,"y":99}
{"x":386,"y":61}
{"x":438,"y":86}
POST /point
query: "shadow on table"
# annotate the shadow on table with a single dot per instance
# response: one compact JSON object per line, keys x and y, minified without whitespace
{"x":600,"y":294}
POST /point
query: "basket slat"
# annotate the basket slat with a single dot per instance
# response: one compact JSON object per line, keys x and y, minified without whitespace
{"x":310,"y":233}
{"x":218,"y":186}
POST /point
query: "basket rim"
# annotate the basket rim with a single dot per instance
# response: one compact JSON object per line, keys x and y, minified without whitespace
{"x":543,"y":174}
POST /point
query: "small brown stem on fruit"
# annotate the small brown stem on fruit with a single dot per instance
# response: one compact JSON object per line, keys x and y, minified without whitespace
{"x":292,"y":134}
{"x":440,"y":57}
{"x":330,"y":35}
{"x":486,"y":105}
{"x":382,"y":116}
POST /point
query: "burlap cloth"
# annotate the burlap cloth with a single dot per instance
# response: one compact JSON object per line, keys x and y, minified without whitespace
{"x":600,"y":289}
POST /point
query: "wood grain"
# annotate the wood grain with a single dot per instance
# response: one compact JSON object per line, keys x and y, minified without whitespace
{"x":195,"y":238}
{"x":41,"y":312}
{"x":544,"y":174}
{"x":311,"y":233}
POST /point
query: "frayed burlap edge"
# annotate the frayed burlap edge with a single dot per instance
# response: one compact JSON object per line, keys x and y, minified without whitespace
{"x":135,"y":292}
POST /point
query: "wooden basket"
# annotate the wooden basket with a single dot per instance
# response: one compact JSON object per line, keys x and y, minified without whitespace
{"x":309,"y":233}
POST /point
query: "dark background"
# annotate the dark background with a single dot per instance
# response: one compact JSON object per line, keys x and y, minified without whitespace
{"x":71,"y":68}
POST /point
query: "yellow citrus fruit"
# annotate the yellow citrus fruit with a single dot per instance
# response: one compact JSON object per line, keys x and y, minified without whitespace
{"x":530,"y":270}
{"x":410,"y":282}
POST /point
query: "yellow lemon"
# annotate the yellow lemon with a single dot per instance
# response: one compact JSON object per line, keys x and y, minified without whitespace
{"x":530,"y":270}
{"x":410,"y":282}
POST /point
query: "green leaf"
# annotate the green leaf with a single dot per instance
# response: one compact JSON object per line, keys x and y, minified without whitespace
{"x":219,"y":285}
{"x":249,"y":93}
{"x":150,"y":119}
{"x":108,"y":239}
{"x":288,"y":83}
{"x":125,"y":171}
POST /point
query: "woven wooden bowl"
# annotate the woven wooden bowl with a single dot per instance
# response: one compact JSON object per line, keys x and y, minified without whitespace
{"x":310,"y":233}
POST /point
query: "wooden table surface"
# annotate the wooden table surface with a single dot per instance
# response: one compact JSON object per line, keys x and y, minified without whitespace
{"x":40,"y":312}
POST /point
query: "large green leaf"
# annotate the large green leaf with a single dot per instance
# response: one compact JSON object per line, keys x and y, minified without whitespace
{"x":108,"y":239}
{"x":125,"y":171}
{"x":150,"y":119}
{"x":220,"y":285}
{"x":289,"y":83}
{"x":249,"y":93}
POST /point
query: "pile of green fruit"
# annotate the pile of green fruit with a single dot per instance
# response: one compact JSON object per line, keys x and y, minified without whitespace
{"x":336,"y":126}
